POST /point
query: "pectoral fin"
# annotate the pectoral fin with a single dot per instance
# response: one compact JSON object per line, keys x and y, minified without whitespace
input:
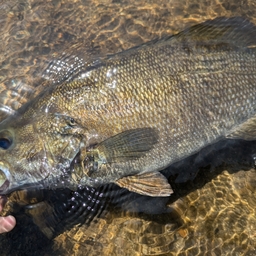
{"x":43,"y":216}
{"x":148,"y":184}
{"x":245,"y":131}
{"x":128,"y":145}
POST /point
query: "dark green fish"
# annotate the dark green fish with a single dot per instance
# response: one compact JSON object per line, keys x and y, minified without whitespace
{"x":127,"y":116}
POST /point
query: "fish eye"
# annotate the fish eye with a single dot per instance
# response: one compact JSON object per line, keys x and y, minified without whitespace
{"x":5,"y":143}
{"x":5,"y":140}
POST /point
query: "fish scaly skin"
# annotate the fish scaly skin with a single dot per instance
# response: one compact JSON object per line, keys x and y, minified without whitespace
{"x":134,"y":113}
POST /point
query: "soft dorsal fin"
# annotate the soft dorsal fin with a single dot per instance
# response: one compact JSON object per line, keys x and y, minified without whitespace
{"x":235,"y":30}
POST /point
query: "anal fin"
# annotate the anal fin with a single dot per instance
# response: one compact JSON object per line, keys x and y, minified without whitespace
{"x":149,"y":184}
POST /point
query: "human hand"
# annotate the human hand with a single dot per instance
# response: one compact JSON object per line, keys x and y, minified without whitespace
{"x":6,"y":223}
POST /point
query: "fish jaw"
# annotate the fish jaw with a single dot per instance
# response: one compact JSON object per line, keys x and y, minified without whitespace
{"x":10,"y":182}
{"x":38,"y":155}
{"x":43,"y":176}
{"x":7,"y":181}
{"x":5,"y":178}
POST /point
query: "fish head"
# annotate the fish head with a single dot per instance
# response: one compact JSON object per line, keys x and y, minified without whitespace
{"x":37,"y":150}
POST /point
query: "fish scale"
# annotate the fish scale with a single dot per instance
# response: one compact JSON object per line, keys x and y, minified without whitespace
{"x":130,"y":115}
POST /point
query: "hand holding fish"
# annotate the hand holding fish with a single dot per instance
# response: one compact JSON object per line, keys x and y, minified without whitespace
{"x":6,"y":223}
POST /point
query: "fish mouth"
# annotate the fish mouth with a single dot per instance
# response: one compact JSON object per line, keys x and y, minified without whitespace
{"x":5,"y":178}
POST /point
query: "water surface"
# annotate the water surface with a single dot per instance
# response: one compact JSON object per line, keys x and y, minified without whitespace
{"x":213,"y":214}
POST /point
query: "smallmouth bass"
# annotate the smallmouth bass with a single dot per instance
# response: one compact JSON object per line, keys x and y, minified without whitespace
{"x":127,"y":116}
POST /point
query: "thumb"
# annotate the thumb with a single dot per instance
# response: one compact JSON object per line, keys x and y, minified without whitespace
{"x":7,"y":224}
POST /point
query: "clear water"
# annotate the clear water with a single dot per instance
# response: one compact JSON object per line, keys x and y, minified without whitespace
{"x":212,"y":215}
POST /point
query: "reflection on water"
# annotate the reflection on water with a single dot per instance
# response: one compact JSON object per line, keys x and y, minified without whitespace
{"x":213,"y":215}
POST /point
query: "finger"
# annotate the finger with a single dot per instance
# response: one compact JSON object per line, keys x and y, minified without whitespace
{"x":7,"y":224}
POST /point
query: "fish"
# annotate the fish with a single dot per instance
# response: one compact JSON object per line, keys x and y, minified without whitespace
{"x":123,"y":118}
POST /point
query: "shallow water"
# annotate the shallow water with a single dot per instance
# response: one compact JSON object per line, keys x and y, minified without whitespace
{"x":211,"y":215}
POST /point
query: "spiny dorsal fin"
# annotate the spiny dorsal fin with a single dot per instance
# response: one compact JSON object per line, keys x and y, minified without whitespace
{"x":148,"y":184}
{"x":67,"y":66}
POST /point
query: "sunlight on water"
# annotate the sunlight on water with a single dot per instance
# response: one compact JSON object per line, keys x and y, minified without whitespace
{"x":208,"y":218}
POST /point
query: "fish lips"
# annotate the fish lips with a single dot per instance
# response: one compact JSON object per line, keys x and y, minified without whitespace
{"x":5,"y":179}
{"x":4,"y":187}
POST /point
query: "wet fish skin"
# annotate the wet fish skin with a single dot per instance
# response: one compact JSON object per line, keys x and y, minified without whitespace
{"x":132,"y":114}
